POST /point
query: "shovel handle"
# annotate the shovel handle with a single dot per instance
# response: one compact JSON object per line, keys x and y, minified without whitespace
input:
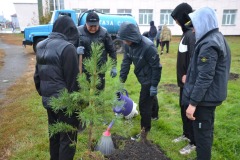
{"x":80,"y":63}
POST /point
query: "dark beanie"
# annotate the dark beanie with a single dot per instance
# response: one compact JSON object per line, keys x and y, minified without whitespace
{"x":180,"y":13}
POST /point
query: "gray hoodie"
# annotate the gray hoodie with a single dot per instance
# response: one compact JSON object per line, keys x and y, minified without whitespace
{"x":208,"y":72}
{"x":203,"y":20}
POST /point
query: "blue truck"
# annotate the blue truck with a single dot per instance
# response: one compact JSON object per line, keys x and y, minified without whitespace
{"x":112,"y":22}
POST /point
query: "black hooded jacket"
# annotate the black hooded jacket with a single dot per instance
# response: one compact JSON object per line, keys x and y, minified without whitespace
{"x":142,"y":53}
{"x":186,"y":45}
{"x":153,"y":31}
{"x":57,"y":63}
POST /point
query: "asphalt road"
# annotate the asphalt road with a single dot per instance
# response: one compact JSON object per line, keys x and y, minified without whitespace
{"x":15,"y":64}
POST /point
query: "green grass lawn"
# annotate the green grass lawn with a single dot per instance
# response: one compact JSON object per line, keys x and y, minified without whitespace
{"x":23,"y":127}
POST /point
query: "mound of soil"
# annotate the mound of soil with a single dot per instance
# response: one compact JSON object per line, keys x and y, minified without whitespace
{"x":127,"y":149}
{"x":233,"y":76}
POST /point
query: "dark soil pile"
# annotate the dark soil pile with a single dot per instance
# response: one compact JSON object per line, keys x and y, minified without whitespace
{"x":127,"y":149}
{"x":233,"y":76}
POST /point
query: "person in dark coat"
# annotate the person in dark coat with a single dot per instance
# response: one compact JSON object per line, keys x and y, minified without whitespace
{"x":57,"y":69}
{"x":152,"y":31}
{"x":140,"y":51}
{"x":93,"y":32}
{"x":207,"y":78}
{"x":158,"y":43}
{"x":185,"y":51}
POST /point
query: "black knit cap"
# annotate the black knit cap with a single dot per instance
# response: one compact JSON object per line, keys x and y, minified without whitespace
{"x":180,"y":13}
{"x":92,"y":19}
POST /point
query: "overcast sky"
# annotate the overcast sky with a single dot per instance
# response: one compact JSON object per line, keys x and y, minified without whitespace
{"x":7,"y":8}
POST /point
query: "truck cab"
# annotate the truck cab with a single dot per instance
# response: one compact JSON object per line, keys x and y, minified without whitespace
{"x":34,"y":34}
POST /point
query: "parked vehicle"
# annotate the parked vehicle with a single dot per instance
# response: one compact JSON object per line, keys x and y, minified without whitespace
{"x":112,"y":22}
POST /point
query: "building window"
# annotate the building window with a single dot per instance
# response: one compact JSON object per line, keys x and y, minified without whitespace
{"x":103,"y":10}
{"x":124,"y":11}
{"x":229,"y":17}
{"x":145,"y":16}
{"x":56,"y":4}
{"x":165,"y":17}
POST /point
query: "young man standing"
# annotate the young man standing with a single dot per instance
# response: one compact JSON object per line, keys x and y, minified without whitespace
{"x":185,"y":52}
{"x":140,"y":51}
{"x":57,"y":69}
{"x":207,"y":78}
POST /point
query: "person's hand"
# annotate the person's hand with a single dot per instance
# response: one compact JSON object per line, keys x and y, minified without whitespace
{"x":80,"y":50}
{"x":184,"y":78}
{"x":113,"y":72}
{"x":190,"y":111}
{"x":153,"y":91}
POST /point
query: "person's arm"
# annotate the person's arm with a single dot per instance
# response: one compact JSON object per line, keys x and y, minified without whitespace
{"x":37,"y":80}
{"x":206,"y":63}
{"x":70,"y":68}
{"x":189,"y":38}
{"x":125,"y":66}
{"x":153,"y":59}
{"x":109,"y":46}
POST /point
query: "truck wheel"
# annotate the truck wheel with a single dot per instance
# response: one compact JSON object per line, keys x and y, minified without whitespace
{"x":36,"y":42}
{"x":118,"y":45}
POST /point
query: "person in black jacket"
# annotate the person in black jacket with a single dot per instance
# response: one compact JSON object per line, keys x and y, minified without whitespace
{"x":207,"y":78}
{"x":93,"y":32}
{"x":185,"y":51}
{"x":57,"y":69}
{"x":140,"y":51}
{"x":152,"y":32}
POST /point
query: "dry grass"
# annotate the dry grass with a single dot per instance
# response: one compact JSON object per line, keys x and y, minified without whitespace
{"x":2,"y":55}
{"x":9,"y":109}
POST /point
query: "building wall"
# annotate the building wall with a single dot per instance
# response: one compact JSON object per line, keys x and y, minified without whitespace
{"x":27,"y":14}
{"x":157,"y":5}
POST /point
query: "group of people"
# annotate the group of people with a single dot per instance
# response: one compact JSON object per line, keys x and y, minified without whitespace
{"x":162,"y":36}
{"x":203,"y":65}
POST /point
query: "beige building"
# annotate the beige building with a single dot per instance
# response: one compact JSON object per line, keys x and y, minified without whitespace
{"x":157,"y":10}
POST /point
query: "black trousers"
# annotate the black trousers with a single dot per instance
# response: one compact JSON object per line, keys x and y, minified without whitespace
{"x":187,"y":123}
{"x":145,"y":107}
{"x":60,"y":148}
{"x":203,"y":131}
{"x":158,"y":43}
{"x":155,"y":107}
{"x":167,"y":45}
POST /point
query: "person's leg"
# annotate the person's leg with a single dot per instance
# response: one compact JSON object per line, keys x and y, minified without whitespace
{"x":163,"y":44}
{"x":145,"y":107}
{"x":167,"y":45}
{"x":185,"y":134}
{"x":190,"y":132}
{"x":66,"y":151}
{"x":54,"y":141}
{"x":183,"y":115}
{"x":157,"y":43}
{"x":155,"y":108}
{"x":101,"y":86}
{"x":203,"y":131}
